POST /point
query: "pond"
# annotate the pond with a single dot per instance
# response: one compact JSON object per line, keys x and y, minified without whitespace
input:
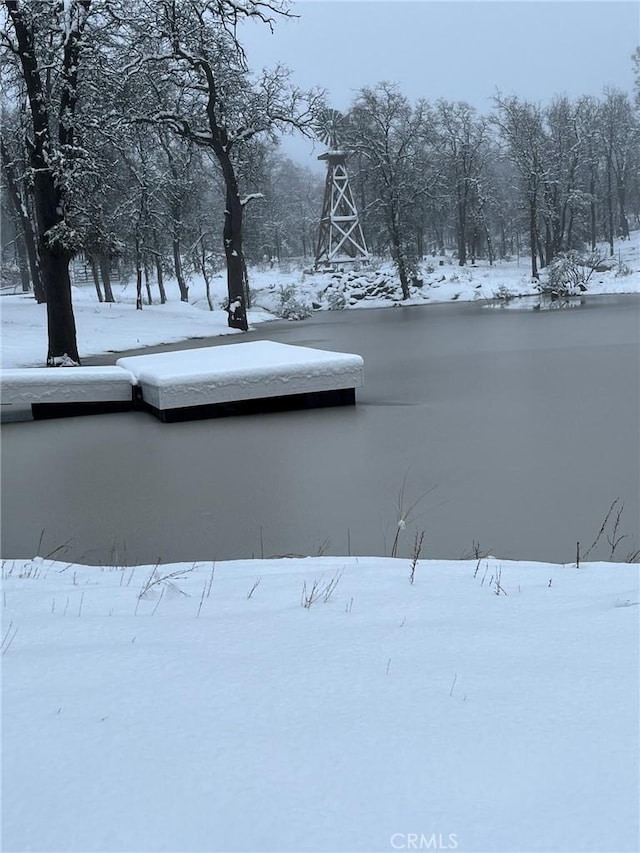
{"x":512,"y":431}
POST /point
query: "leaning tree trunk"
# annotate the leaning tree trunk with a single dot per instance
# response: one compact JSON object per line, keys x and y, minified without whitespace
{"x":96,"y":277}
{"x":105,"y":272}
{"x":34,"y":261}
{"x":147,"y":282}
{"x":160,"y":278}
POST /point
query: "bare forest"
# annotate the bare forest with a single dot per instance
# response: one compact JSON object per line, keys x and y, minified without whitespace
{"x":136,"y":136}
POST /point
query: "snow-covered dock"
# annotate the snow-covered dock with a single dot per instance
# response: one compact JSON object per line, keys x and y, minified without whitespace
{"x":243,"y":378}
{"x":208,"y":382}
{"x":45,"y":392}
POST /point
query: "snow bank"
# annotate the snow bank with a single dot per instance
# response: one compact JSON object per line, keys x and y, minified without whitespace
{"x":490,"y":705}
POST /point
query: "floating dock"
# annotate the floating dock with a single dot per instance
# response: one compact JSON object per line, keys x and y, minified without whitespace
{"x":244,"y":378}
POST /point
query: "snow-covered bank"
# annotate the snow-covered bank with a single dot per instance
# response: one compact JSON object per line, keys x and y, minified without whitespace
{"x":488,"y":706}
{"x":280,"y":289}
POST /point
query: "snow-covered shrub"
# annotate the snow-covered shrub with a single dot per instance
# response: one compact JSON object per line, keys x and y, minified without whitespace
{"x":623,"y":270}
{"x":336,"y":300}
{"x":569,"y":273}
{"x":289,"y":307}
{"x":503,"y":293}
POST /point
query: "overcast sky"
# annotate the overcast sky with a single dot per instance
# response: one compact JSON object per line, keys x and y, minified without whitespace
{"x":461,"y":50}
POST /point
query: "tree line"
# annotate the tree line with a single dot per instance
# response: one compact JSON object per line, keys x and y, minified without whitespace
{"x":541,"y":179}
{"x":135,"y":133}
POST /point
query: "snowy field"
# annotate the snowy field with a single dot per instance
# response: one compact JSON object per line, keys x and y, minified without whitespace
{"x":487,"y":706}
{"x":279,"y":289}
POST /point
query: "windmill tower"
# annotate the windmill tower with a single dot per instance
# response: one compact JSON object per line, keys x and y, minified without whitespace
{"x":341,"y":239}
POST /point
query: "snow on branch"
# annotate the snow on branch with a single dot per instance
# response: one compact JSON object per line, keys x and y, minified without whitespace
{"x":244,"y":201}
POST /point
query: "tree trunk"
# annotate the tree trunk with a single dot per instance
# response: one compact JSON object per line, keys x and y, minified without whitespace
{"x":245,"y":273}
{"x":105,"y":272}
{"x":200,"y":262}
{"x":23,"y":264}
{"x":489,"y":244}
{"x":609,"y":206}
{"x":96,"y":277}
{"x":420,"y":241}
{"x":533,"y":237}
{"x":232,"y":239}
{"x":398,"y":255}
{"x":160,"y":276}
{"x":461,"y":233}
{"x":622,"y":202}
{"x":570,"y":231}
{"x":177,"y":265}
{"x":592,"y":211}
{"x":548,"y":244}
{"x":26,"y":225}
{"x":49,"y":201}
{"x":147,"y":283}
{"x":34,"y":262}
{"x":138,"y":276}
{"x":61,"y":326}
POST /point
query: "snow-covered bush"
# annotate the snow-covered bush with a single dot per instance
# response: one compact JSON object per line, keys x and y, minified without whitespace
{"x":336,"y":300}
{"x":504,"y":293}
{"x":569,"y":273}
{"x":289,"y":307}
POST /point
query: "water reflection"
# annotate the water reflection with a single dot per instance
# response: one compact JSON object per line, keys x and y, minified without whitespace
{"x":542,"y":302}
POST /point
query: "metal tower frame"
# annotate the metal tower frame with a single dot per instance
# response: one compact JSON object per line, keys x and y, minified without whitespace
{"x":341,"y":239}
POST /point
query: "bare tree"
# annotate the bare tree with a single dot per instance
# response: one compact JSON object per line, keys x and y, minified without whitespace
{"x":521,"y":127}
{"x":189,"y":52}
{"x":44,"y":42}
{"x":387,"y":135}
{"x":621,"y":141}
{"x":14,"y":175}
{"x":464,"y":143}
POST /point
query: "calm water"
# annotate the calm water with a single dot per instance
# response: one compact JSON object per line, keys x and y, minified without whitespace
{"x":523,"y":424}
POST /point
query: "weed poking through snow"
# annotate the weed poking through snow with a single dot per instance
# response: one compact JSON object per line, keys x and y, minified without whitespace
{"x":404,"y":515}
{"x":256,"y":584}
{"x":415,"y":555}
{"x":319,"y":590}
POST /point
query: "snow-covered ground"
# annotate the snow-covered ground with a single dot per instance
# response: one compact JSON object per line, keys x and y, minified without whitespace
{"x":278,"y":289}
{"x":488,"y":706}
